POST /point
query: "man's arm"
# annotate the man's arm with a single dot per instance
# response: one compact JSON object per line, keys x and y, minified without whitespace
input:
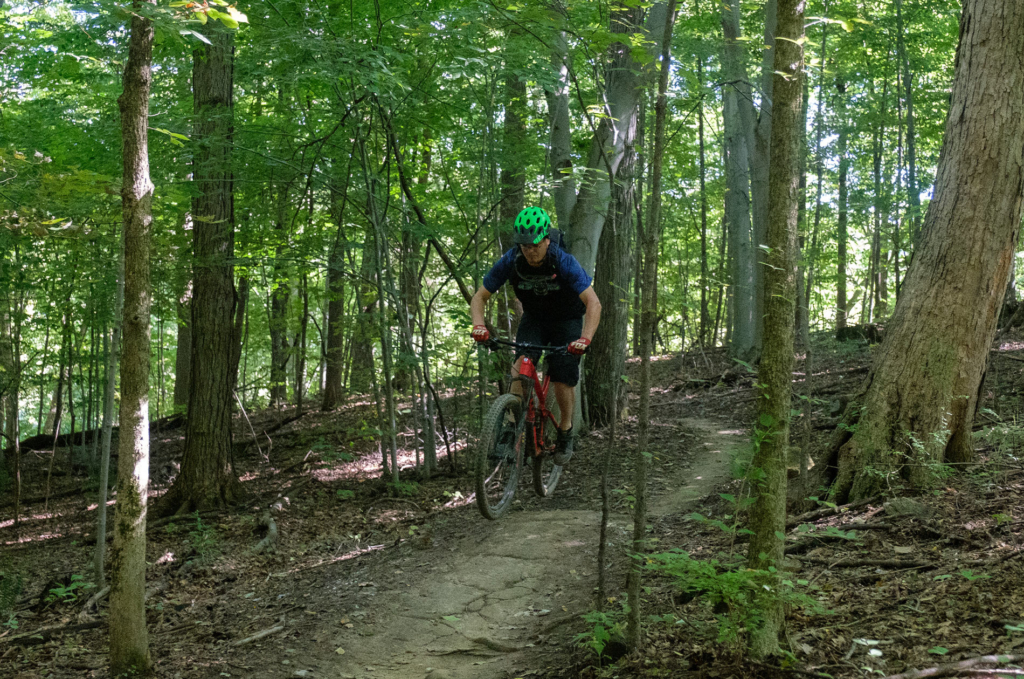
{"x":592,"y":317}
{"x":479,"y":302}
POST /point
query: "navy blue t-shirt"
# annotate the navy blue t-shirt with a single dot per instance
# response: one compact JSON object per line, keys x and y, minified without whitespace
{"x":550,"y":291}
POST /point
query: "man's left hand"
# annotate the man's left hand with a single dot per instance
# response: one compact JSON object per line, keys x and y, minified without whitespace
{"x":579,"y":347}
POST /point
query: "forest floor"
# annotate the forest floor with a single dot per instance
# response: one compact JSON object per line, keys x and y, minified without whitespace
{"x":374,"y":580}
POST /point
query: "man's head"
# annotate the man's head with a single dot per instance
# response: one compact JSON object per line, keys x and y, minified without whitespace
{"x":530,"y":233}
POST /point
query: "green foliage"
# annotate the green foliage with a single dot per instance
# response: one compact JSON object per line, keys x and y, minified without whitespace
{"x":345,"y":494}
{"x":70,"y":592}
{"x":604,"y":627}
{"x":328,"y":452}
{"x":404,"y":489}
{"x":738,"y":596}
{"x":204,"y":541}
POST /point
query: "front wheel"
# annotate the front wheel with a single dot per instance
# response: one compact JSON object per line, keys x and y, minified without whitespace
{"x":545,"y":472}
{"x":500,"y":456}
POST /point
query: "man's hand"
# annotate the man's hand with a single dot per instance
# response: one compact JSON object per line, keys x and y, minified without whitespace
{"x":579,"y":347}
{"x":480,"y":333}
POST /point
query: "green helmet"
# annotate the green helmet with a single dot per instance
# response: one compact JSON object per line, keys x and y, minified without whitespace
{"x":531,"y":226}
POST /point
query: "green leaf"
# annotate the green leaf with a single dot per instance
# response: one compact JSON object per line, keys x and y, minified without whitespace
{"x":938,"y":650}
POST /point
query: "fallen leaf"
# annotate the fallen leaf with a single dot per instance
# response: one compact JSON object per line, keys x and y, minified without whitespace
{"x":339,"y":651}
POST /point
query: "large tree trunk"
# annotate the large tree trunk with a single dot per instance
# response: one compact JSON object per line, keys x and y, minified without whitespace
{"x":560,"y":148}
{"x":759,"y":143}
{"x":919,"y":400}
{"x":207,"y":479}
{"x":735,"y":93}
{"x":129,"y":639}
{"x":768,"y":515}
{"x":615,"y":130}
{"x":607,"y":356}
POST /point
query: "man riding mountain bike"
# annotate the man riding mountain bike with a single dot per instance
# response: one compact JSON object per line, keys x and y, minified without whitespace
{"x":560,"y":307}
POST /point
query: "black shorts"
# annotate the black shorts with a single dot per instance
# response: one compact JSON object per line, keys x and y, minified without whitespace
{"x":562,"y":367}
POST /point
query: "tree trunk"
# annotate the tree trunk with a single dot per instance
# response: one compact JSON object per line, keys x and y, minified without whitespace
{"x":844,"y":166}
{"x":648,"y":316}
{"x":560,"y":146}
{"x":113,"y":353}
{"x":207,"y":479}
{"x":737,"y":90}
{"x":768,"y":515}
{"x":918,"y":404}
{"x":705,"y":316}
{"x":279,"y":298}
{"x":913,"y":192}
{"x":759,"y":143}
{"x":614,"y":132}
{"x":183,"y":353}
{"x":360,"y":380}
{"x":129,"y":639}
{"x":607,"y":356}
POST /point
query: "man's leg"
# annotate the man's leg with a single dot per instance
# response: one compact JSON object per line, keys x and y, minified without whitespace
{"x":566,"y":397}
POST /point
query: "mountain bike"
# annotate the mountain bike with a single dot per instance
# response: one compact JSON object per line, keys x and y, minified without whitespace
{"x":518,"y":430}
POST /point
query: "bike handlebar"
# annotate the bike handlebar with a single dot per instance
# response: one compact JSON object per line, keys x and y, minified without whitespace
{"x":494,"y":343}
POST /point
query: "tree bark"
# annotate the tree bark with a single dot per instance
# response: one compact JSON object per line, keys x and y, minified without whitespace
{"x":614,"y":132}
{"x":648,"y":319}
{"x":129,"y":639}
{"x":844,"y":167}
{"x":768,"y":467}
{"x":918,"y":405}
{"x":560,"y":144}
{"x":607,"y":356}
{"x":207,"y":479}
{"x":113,"y":364}
{"x":705,"y":316}
{"x":913,"y":191}
{"x":183,"y":354}
{"x":735,"y":93}
{"x":336,"y":298}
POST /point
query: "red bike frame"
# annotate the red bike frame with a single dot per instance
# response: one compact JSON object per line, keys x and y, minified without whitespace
{"x":528,"y":369}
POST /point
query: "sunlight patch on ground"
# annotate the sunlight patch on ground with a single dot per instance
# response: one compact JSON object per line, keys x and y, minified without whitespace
{"x":731,"y":432}
{"x":1011,"y":346}
{"x":34,"y":538}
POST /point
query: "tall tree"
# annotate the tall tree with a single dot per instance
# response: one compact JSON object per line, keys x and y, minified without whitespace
{"x":207,"y":478}
{"x":918,"y":403}
{"x":842,"y":240}
{"x":648,"y":316}
{"x":129,"y":639}
{"x":735,"y":93}
{"x":768,"y":466}
{"x":615,"y":130}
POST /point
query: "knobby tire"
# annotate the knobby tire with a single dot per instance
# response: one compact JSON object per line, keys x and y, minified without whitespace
{"x":496,"y":480}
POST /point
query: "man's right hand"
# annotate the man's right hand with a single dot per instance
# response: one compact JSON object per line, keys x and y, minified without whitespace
{"x":480,"y":333}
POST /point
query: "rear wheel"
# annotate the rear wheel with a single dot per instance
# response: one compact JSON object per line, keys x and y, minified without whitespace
{"x":500,"y":456}
{"x":545,"y":472}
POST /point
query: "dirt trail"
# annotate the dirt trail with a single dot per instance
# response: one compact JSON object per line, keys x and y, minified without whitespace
{"x":474,"y":607}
